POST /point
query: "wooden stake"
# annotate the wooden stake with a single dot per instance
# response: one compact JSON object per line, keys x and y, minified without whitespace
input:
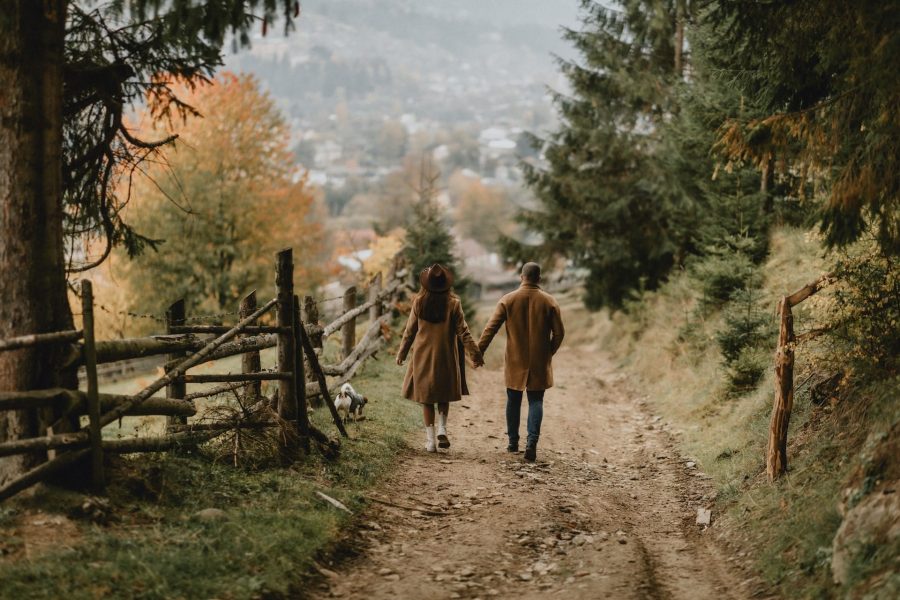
{"x":93,"y":393}
{"x":300,"y":378}
{"x":776,"y":454}
{"x":374,"y":297}
{"x":177,"y":388}
{"x":284,"y":282}
{"x":250,"y":361}
{"x":320,"y":377}
{"x":349,"y":329}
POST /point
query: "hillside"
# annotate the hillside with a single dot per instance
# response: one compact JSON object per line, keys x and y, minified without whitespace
{"x":828,"y":528}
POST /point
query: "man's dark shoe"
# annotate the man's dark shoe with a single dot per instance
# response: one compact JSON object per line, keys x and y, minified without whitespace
{"x":530,"y":453}
{"x":512,"y":448}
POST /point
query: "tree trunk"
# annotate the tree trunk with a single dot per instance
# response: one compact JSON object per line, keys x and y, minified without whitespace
{"x":679,"y":37}
{"x":32,"y":268}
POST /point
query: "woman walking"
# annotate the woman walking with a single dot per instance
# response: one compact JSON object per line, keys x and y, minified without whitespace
{"x":435,"y":373}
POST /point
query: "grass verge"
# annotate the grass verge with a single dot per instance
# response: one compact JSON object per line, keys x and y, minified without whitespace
{"x":154,"y":545}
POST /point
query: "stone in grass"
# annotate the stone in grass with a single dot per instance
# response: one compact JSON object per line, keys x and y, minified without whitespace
{"x":210,"y":515}
{"x":704,"y":516}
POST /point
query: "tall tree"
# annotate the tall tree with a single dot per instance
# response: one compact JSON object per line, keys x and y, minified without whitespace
{"x":36,"y":64}
{"x":428,"y":239}
{"x":597,"y":186}
{"x":829,"y":97}
{"x":32,"y":271}
{"x":221,"y":203}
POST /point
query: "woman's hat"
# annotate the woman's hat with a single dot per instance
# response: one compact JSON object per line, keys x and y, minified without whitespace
{"x":436,"y":279}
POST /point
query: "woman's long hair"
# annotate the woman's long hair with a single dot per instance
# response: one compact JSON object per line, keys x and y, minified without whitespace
{"x":432,"y":306}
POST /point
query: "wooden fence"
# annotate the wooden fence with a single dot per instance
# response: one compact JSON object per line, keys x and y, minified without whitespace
{"x":296,"y":335}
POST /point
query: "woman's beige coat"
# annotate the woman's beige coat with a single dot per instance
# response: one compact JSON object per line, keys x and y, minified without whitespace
{"x":433,"y":374}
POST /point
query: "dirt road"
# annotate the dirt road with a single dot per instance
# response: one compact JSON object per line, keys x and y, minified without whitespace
{"x":608,"y":511}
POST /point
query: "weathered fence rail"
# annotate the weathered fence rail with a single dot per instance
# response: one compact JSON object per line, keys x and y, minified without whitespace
{"x":299,"y":343}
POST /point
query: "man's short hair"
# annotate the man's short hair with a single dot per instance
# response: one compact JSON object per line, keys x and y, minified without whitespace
{"x":531,"y":272}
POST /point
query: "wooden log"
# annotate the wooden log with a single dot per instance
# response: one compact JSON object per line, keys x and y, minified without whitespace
{"x":300,"y":379}
{"x":349,"y":328}
{"x":41,"y":472}
{"x":221,"y":389}
{"x":375,"y":296}
{"x":115,"y":350}
{"x":39,"y":339}
{"x":776,"y":452}
{"x":249,"y":344}
{"x":189,"y":362}
{"x":311,"y":313}
{"x":372,"y":333}
{"x":98,"y":480}
{"x":209,"y":329}
{"x":175,"y":317}
{"x":284,"y":282}
{"x":339,"y":322}
{"x":44,"y":443}
{"x":809,"y":289}
{"x":250,"y":361}
{"x":320,"y":378}
{"x":75,"y":402}
{"x":225,"y":377}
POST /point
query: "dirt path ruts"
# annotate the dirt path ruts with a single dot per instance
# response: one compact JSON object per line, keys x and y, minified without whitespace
{"x":608,"y":510}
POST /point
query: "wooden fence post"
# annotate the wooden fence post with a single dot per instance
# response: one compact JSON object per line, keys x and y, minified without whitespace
{"x":311,"y":317}
{"x":284,"y":282}
{"x":311,"y":309}
{"x":375,"y":287}
{"x":93,"y":393}
{"x":175,"y":317}
{"x":300,"y":379}
{"x":350,"y":327}
{"x":776,"y":453}
{"x":250,"y":362}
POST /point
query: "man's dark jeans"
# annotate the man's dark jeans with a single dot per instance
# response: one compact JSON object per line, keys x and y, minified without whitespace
{"x":514,"y":413}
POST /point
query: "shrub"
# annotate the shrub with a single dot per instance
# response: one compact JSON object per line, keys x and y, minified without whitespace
{"x":747,"y":369}
{"x":866,"y":308}
{"x":726,"y":268}
{"x":745,"y":326}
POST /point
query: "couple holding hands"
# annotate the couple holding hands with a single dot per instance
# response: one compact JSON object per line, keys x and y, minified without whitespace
{"x":438,"y":335}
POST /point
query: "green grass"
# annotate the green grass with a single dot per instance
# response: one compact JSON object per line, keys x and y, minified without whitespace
{"x":275,"y":527}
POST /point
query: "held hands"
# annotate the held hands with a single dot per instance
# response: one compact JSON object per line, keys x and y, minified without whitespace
{"x":478,"y":361}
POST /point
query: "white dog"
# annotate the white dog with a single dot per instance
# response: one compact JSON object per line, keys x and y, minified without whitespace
{"x":349,"y":403}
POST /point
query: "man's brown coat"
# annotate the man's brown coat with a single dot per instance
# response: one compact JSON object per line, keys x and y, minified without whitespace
{"x":534,"y":332}
{"x":433,"y":374}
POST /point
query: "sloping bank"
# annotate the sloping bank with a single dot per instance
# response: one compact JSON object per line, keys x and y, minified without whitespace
{"x":192,"y":527}
{"x":830,"y":528}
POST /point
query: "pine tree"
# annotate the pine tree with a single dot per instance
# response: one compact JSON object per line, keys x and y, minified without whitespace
{"x":598,"y":190}
{"x":428,"y":239}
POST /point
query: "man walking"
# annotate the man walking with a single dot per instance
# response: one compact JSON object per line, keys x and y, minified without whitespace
{"x":534,"y":332}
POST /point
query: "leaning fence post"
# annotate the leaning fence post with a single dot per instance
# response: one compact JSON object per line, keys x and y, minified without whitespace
{"x":178,"y":388}
{"x":93,"y":394}
{"x":776,"y":452}
{"x":300,"y":379}
{"x":250,"y":362}
{"x":374,"y":291}
{"x":350,"y":326}
{"x":284,"y":282}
